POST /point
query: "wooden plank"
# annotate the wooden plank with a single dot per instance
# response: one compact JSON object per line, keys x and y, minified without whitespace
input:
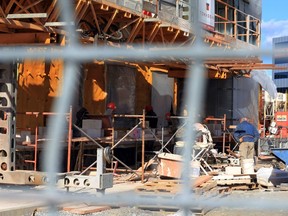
{"x":17,"y":8}
{"x":3,"y":28}
{"x":175,"y":36}
{"x":35,"y":6}
{"x":95,"y":17}
{"x":2,"y":12}
{"x":83,"y":12}
{"x":26,"y":15}
{"x":172,"y":186}
{"x":154,"y":33}
{"x":177,"y":73}
{"x":70,"y":207}
{"x":89,"y":209}
{"x":134,"y":30}
{"x":201,"y":179}
{"x":161,"y":186}
{"x":35,"y":19}
{"x":9,"y":6}
{"x":110,"y":20}
{"x":78,"y":7}
{"x":156,"y":27}
{"x":31,"y":5}
{"x":25,"y":38}
{"x":22,"y":25}
{"x":51,"y":7}
{"x":233,"y":181}
{"x":208,"y":185}
{"x":54,"y":15}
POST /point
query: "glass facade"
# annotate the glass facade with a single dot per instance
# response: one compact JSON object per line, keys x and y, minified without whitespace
{"x":280,"y":58}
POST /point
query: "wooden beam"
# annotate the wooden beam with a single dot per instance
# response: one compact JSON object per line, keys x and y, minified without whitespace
{"x":175,"y":36}
{"x":233,"y":60}
{"x":216,"y":40}
{"x":17,"y":8}
{"x":2,"y":13}
{"x":9,"y":6}
{"x":31,"y":5}
{"x":20,"y":6}
{"x":153,"y":32}
{"x":51,"y":7}
{"x":26,"y":15}
{"x":78,"y":7}
{"x":143,"y":34}
{"x":110,"y":21}
{"x":137,"y":30}
{"x":22,"y":25}
{"x":177,"y":73}
{"x":54,"y":24}
{"x":35,"y":6}
{"x":3,"y":28}
{"x":83,"y":11}
{"x":54,"y":15}
{"x":95,"y":17}
{"x":258,"y":67}
{"x":191,"y":38}
{"x":133,"y":31}
{"x":162,"y":69}
{"x":162,"y":36}
{"x":24,"y":38}
{"x":128,"y":24}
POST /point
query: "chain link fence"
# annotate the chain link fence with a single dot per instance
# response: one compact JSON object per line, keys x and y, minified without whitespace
{"x":73,"y":55}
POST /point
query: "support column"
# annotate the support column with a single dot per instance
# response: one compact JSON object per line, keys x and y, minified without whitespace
{"x":8,"y":93}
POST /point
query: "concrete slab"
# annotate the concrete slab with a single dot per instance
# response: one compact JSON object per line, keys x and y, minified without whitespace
{"x":11,"y":203}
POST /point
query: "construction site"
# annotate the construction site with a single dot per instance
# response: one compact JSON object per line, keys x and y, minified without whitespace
{"x":129,"y":107}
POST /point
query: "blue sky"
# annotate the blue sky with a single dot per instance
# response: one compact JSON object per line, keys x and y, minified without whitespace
{"x":274,"y":21}
{"x":274,"y":24}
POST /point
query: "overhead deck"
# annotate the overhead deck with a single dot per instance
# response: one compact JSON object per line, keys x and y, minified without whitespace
{"x":128,"y":22}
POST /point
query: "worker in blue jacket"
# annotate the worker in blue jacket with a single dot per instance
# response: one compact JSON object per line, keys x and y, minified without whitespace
{"x":246,"y":134}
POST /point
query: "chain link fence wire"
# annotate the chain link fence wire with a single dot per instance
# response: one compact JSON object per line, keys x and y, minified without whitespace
{"x":73,"y":55}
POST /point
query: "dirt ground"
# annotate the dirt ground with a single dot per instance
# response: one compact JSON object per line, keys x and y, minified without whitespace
{"x":251,"y":203}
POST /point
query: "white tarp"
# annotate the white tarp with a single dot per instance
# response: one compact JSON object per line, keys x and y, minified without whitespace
{"x":162,"y":96}
{"x":265,"y":81}
{"x":245,"y":99}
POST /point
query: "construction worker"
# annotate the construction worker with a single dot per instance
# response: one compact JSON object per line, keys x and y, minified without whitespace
{"x":246,"y":134}
{"x":151,"y":117}
{"x":110,"y":108}
{"x":81,"y":114}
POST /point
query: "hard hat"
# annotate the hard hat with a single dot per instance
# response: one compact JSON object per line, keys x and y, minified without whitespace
{"x":168,"y":116}
{"x":111,"y":105}
{"x":148,"y":108}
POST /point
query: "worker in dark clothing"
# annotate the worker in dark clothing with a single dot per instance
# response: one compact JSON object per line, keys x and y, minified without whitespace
{"x":151,"y":117}
{"x":246,"y":134}
{"x":80,"y":115}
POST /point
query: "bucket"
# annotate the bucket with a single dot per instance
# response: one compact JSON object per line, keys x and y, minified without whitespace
{"x":178,"y":148}
{"x":248,"y":166}
{"x":195,"y":169}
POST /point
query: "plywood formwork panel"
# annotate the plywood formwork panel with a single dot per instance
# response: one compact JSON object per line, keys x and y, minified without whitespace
{"x":143,"y":88}
{"x":94,"y":94}
{"x":39,"y":83}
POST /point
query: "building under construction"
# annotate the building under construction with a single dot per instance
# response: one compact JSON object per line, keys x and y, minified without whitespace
{"x":30,"y":86}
